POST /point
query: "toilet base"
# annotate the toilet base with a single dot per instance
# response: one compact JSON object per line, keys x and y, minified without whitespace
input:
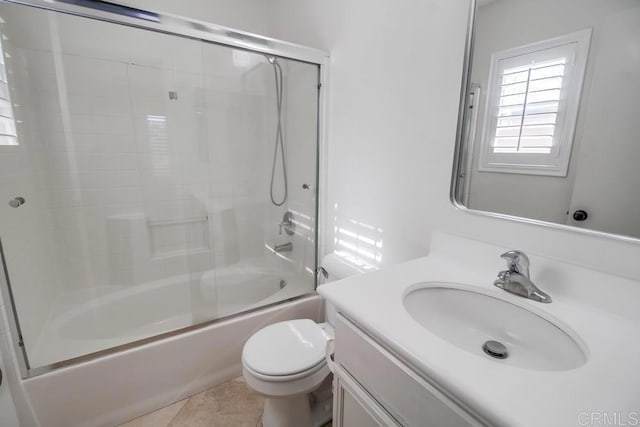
{"x":293,"y":411}
{"x":301,"y":410}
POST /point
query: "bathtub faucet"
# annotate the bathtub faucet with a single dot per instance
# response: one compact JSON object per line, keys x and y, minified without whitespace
{"x":285,"y":247}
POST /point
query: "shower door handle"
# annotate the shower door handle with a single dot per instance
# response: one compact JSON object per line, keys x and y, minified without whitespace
{"x":16,"y":202}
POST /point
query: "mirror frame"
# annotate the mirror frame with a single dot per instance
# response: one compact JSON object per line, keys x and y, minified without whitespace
{"x":461,"y":146}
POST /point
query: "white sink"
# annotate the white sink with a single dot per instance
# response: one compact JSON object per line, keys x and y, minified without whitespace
{"x":468,"y":319}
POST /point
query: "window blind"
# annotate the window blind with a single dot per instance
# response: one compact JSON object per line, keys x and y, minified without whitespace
{"x":528,"y":107}
{"x":8,"y":133}
{"x":532,"y":105}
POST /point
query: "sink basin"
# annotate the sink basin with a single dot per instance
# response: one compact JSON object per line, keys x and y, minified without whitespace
{"x":469,"y":319}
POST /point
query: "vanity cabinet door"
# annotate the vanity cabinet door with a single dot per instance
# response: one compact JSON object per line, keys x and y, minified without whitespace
{"x":354,"y":407}
{"x":404,"y":394}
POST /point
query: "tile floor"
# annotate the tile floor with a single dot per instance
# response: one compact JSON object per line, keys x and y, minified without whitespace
{"x":230,"y":404}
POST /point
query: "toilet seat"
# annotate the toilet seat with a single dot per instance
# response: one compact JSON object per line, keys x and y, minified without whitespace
{"x":286,"y":350}
{"x":284,"y":378}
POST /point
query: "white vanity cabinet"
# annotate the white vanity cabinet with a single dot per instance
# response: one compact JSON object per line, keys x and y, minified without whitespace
{"x":372,"y":387}
{"x":353,"y":406}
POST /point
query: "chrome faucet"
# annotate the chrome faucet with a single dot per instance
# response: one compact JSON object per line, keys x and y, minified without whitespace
{"x":516,"y":278}
{"x":285,"y":247}
{"x":288,"y":224}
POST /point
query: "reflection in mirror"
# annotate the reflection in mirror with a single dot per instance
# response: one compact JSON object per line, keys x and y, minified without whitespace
{"x":551,"y":128}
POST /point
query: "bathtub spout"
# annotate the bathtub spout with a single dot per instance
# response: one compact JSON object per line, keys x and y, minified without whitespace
{"x":285,"y":247}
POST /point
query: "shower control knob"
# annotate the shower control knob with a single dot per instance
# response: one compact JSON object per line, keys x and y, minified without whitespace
{"x":16,"y":202}
{"x":580,"y":215}
{"x":306,"y":186}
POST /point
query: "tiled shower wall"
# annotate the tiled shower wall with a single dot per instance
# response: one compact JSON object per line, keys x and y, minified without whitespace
{"x":120,"y":171}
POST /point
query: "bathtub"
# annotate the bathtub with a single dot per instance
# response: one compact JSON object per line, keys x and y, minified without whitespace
{"x":121,"y":315}
{"x":139,"y":377}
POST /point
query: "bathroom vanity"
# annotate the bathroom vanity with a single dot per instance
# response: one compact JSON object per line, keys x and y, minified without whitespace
{"x":373,"y":387}
{"x":409,"y":344}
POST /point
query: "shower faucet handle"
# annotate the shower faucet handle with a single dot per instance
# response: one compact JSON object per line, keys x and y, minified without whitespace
{"x":288,"y":224}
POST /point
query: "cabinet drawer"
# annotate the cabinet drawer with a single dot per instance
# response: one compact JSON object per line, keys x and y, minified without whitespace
{"x":406,"y":396}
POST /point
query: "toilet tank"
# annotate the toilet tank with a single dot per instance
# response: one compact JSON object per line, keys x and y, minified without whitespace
{"x":337,"y":268}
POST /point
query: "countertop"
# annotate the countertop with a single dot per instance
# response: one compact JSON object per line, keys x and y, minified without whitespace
{"x":607,"y":326}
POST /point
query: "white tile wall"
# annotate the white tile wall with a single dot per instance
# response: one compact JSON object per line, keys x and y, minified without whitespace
{"x":299,"y":119}
{"x":89,"y":169}
{"x":47,"y":150}
{"x":126,"y":186}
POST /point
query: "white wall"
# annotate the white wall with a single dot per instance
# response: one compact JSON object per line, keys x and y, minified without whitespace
{"x":606,"y":183}
{"x":395,"y":84}
{"x":386,"y":98}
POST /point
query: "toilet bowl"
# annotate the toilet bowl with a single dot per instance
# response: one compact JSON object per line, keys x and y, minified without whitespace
{"x":285,"y":363}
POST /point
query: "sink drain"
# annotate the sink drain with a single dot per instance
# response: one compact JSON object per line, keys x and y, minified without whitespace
{"x":495,"y":349}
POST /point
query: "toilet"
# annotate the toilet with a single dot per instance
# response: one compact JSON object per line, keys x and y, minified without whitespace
{"x":285,"y":363}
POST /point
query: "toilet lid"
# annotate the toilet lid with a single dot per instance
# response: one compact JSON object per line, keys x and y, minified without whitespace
{"x":285,"y":348}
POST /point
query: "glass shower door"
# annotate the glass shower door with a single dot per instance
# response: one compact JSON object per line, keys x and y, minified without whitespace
{"x":138,"y":181}
{"x":112,"y":163}
{"x":261,"y":257}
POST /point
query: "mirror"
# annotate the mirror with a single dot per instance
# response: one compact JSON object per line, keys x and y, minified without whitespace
{"x":551,"y":119}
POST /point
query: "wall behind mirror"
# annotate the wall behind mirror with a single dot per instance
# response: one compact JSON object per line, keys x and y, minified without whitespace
{"x":551,"y":128}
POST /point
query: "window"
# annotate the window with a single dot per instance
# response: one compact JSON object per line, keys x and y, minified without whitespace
{"x":532,"y":106}
{"x":8,"y":134}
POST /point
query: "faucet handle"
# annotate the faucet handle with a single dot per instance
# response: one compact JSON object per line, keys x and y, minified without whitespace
{"x":517,"y":262}
{"x":288,"y":224}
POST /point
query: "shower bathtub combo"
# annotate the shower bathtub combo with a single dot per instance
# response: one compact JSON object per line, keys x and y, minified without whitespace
{"x":162,"y":184}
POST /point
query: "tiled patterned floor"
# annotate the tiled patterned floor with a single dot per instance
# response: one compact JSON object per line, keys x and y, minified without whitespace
{"x":230,"y":404}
